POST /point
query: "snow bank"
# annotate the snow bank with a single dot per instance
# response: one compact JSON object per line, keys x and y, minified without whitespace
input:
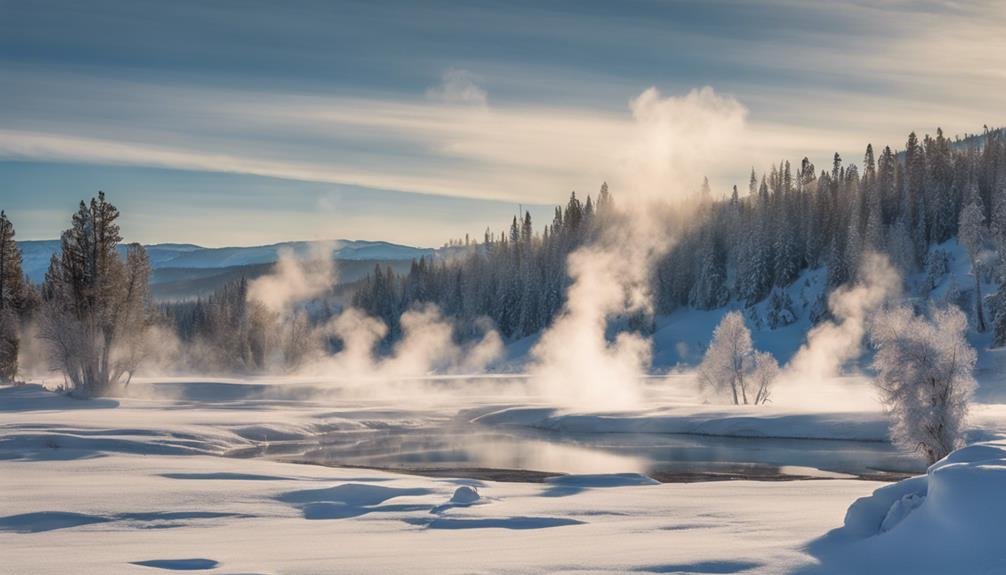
{"x":947,"y":521}
{"x":725,"y":421}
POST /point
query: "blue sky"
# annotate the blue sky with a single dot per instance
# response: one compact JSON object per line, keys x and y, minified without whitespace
{"x":225,"y":123}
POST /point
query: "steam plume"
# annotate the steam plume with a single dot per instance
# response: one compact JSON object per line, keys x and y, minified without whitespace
{"x":676,"y":140}
{"x":294,"y":280}
{"x":832,"y":344}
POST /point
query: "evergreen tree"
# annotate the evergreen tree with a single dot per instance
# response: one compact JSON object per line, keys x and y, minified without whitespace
{"x":86,"y":288}
{"x":12,"y":290}
{"x":972,"y":237}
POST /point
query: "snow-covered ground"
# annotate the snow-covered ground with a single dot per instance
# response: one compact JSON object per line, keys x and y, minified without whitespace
{"x":143,"y":485}
{"x":117,"y":513}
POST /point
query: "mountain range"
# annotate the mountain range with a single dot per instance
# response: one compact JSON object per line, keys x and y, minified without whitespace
{"x":182,"y":271}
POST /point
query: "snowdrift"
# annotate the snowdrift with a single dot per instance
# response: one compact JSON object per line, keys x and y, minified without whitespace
{"x":947,"y":521}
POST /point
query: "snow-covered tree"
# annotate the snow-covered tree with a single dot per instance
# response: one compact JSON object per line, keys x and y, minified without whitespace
{"x":133,"y":314}
{"x":971,"y":232}
{"x":731,"y":368}
{"x":763,"y":375}
{"x":11,"y":295}
{"x":924,"y":372}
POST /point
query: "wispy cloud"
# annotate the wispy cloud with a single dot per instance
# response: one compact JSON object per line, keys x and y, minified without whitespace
{"x":520,"y":104}
{"x":458,"y":87}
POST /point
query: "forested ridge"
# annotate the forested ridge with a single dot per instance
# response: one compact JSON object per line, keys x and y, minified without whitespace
{"x":741,"y":247}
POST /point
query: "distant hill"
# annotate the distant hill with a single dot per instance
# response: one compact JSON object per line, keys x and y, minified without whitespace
{"x":177,"y":284}
{"x":183,"y":271}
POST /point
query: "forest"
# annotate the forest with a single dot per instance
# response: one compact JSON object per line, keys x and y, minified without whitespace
{"x":746,"y":245}
{"x":93,"y":314}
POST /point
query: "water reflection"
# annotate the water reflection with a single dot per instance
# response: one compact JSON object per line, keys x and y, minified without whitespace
{"x":668,"y":457}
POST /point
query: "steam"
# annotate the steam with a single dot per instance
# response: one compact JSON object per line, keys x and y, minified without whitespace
{"x":675,"y":140}
{"x":427,"y":346}
{"x":359,"y":334}
{"x":586,"y":358}
{"x":573,"y":362}
{"x":832,"y":344}
{"x":294,"y":280}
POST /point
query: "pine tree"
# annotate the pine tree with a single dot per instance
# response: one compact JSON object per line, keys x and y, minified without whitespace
{"x":86,"y":287}
{"x":709,"y":290}
{"x":706,"y":192}
{"x":11,"y":295}
{"x":873,"y":230}
{"x":972,"y":236}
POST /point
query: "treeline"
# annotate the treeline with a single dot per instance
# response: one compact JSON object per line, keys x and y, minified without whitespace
{"x":230,"y":332}
{"x":743,"y":247}
{"x":517,"y":278}
{"x":19,"y":301}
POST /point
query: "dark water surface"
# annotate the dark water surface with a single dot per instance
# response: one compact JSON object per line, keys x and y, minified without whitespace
{"x":392,"y":434}
{"x":529,"y":455}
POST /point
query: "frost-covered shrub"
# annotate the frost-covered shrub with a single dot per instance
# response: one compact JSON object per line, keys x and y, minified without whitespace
{"x":732,"y":368}
{"x":924,"y":371}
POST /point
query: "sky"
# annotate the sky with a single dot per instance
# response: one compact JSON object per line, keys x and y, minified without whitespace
{"x":240,"y":123}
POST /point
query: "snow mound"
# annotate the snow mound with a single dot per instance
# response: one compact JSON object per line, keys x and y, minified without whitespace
{"x":867,"y":515}
{"x":465,"y":495}
{"x":949,"y":520}
{"x":962,"y":490}
{"x":901,"y":509}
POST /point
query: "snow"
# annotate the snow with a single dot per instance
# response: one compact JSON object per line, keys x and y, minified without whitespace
{"x":137,"y":483}
{"x":947,"y":521}
{"x":682,"y":336}
{"x":131,"y":510}
{"x":151,"y":483}
{"x":465,"y":495}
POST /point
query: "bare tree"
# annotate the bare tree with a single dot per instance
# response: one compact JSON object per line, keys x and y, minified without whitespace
{"x":924,"y":371}
{"x":133,"y":315}
{"x":764,"y":374}
{"x":731,"y":366}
